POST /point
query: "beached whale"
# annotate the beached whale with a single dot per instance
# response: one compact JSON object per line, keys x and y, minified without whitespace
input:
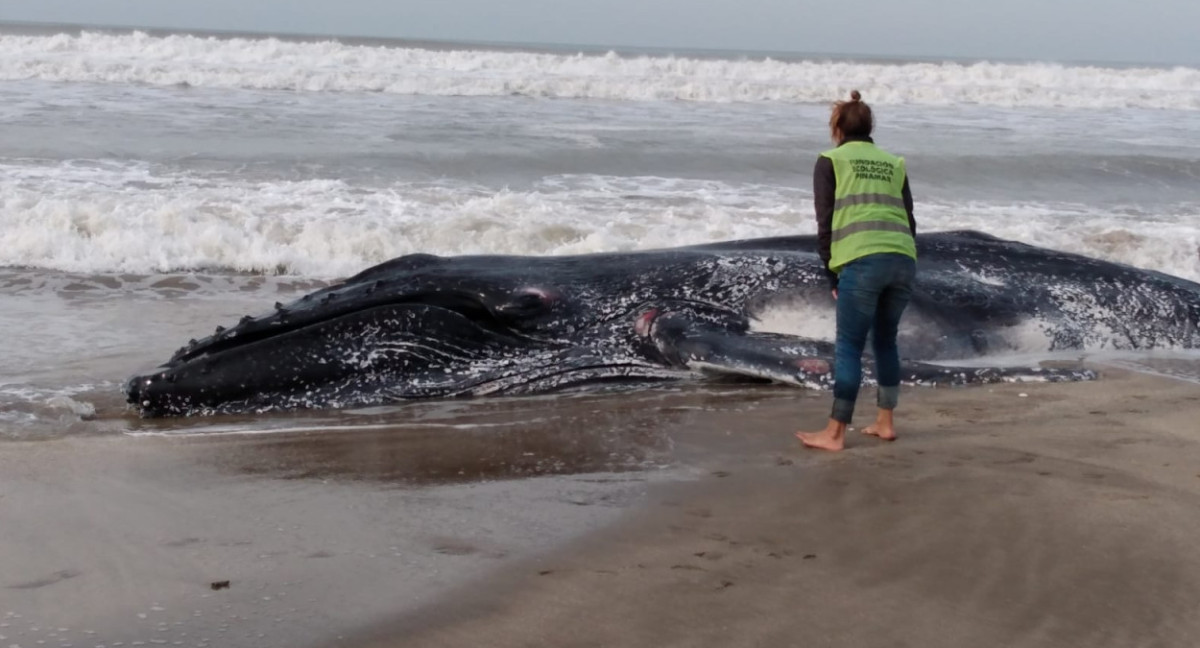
{"x":422,"y":326}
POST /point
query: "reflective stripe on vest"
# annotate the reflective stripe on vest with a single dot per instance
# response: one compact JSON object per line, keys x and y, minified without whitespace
{"x":870,"y":226}
{"x":869,"y":216}
{"x":871,"y":198}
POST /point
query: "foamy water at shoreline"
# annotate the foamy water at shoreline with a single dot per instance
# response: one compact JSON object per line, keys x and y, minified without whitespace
{"x":326,"y":229}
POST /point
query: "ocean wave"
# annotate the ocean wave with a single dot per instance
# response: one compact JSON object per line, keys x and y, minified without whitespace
{"x":123,"y":218}
{"x":271,"y":63}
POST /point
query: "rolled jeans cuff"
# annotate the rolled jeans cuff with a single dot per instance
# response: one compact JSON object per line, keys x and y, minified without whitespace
{"x":889,"y":397}
{"x":843,"y":410}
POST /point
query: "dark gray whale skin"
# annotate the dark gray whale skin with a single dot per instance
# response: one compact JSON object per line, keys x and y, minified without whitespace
{"x":422,"y":326}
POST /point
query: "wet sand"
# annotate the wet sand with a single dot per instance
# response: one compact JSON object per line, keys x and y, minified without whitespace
{"x":1066,"y":517}
{"x":321,"y":523}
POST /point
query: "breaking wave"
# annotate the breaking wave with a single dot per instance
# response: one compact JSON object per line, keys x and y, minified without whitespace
{"x":325,"y":66}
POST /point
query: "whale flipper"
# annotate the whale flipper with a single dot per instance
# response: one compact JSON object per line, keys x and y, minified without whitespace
{"x":703,"y":347}
{"x":933,"y":375}
{"x":710,"y":348}
{"x":778,"y":358}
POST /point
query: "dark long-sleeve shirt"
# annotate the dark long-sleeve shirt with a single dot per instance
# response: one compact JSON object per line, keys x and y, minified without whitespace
{"x":824,"y":186}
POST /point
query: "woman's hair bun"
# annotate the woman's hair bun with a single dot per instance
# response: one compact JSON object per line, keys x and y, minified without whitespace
{"x":854,"y":96}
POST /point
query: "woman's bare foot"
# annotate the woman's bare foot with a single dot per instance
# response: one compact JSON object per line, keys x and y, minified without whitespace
{"x":883,"y":427}
{"x":877,"y":431}
{"x":832,"y":438}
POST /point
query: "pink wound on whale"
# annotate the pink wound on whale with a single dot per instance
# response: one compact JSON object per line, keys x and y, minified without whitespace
{"x":542,"y":293}
{"x":643,"y":323}
{"x":813,"y":365}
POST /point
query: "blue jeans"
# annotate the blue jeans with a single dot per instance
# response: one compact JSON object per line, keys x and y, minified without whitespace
{"x":872,"y":294}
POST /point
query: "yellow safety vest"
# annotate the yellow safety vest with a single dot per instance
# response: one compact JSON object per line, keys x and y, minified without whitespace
{"x":868,"y":204}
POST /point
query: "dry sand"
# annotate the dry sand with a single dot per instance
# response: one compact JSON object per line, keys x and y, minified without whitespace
{"x":1065,"y":518}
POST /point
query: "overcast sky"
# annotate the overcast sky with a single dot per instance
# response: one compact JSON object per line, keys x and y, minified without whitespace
{"x":1150,"y":31}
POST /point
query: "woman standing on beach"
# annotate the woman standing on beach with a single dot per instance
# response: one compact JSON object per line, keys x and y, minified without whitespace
{"x":866,"y":232}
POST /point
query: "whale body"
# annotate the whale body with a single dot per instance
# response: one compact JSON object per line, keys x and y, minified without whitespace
{"x":424,"y":326}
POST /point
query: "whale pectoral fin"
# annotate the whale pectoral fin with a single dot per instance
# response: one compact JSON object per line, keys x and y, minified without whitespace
{"x":809,"y":363}
{"x":922,"y":373}
{"x":779,"y":358}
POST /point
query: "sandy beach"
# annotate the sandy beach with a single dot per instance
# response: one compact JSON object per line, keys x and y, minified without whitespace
{"x":1064,"y":517}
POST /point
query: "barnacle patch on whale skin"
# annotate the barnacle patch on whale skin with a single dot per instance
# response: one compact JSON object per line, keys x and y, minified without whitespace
{"x":813,"y":365}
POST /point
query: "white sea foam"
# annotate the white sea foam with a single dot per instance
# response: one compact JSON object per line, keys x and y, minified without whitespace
{"x":269,"y":63}
{"x":23,"y":405}
{"x":110,"y":217}
{"x":818,"y":321}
